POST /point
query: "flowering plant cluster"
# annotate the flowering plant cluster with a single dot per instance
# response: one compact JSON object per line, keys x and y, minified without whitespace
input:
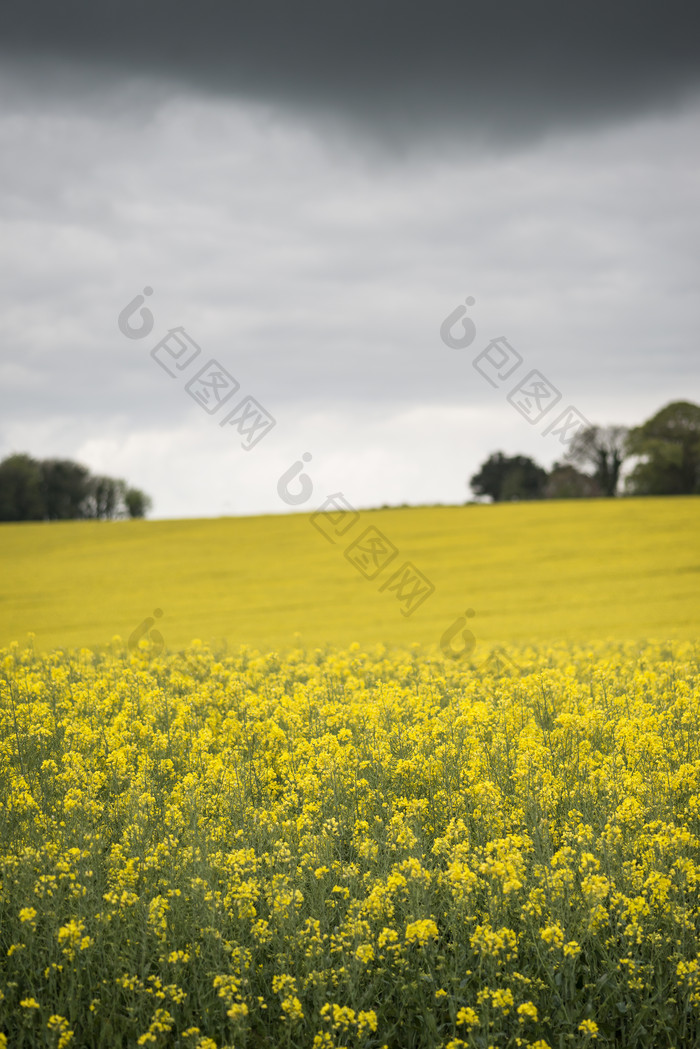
{"x":341,"y":849}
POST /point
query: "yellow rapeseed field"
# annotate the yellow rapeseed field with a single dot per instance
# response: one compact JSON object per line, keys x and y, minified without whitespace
{"x":577,"y":569}
{"x":409,"y":828}
{"x":350,"y":848}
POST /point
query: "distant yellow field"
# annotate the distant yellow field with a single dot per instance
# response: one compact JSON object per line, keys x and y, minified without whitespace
{"x":627,"y":569}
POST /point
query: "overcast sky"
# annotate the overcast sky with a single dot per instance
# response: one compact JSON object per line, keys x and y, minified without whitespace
{"x":310,"y":189}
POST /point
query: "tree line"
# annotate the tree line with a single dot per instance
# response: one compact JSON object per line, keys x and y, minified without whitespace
{"x":62,"y":490}
{"x":665,"y":450}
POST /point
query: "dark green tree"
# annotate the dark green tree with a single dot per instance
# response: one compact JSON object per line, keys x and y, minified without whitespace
{"x":506,"y":478}
{"x":66,"y":488}
{"x":137,"y":503}
{"x":62,"y":490}
{"x":668,"y":447}
{"x":604,"y":449}
{"x":21,"y":495}
{"x":564,"y":481}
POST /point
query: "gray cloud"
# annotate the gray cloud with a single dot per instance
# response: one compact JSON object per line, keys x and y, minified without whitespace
{"x":490,"y":71}
{"x":319,"y":275}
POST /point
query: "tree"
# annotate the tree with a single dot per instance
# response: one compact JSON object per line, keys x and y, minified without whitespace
{"x":668,"y":447}
{"x":66,"y":489}
{"x":61,"y":490}
{"x":603,"y":448}
{"x":566,"y":482}
{"x":106,"y":499}
{"x":21,"y":496}
{"x":506,"y":478}
{"x":137,"y":503}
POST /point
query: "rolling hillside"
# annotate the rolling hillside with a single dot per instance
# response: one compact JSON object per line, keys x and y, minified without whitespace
{"x":624,"y":569}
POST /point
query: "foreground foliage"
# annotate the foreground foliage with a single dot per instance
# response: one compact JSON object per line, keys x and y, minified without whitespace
{"x":350,"y":849}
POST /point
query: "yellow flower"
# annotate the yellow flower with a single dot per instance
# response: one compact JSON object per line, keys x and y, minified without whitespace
{"x":467,"y":1017}
{"x":553,"y":935}
{"x":71,"y":938}
{"x":60,"y":1024}
{"x":527,"y":1011}
{"x":589,"y":1028}
{"x":366,"y":1021}
{"x":323,"y":1040}
{"x":421,"y":931}
{"x":502,"y":999}
{"x":387,"y":937}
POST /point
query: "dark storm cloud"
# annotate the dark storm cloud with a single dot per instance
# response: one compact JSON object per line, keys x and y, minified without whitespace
{"x":499,"y":70}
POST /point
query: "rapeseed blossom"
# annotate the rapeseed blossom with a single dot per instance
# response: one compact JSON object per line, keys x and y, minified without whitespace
{"x":350,"y":848}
